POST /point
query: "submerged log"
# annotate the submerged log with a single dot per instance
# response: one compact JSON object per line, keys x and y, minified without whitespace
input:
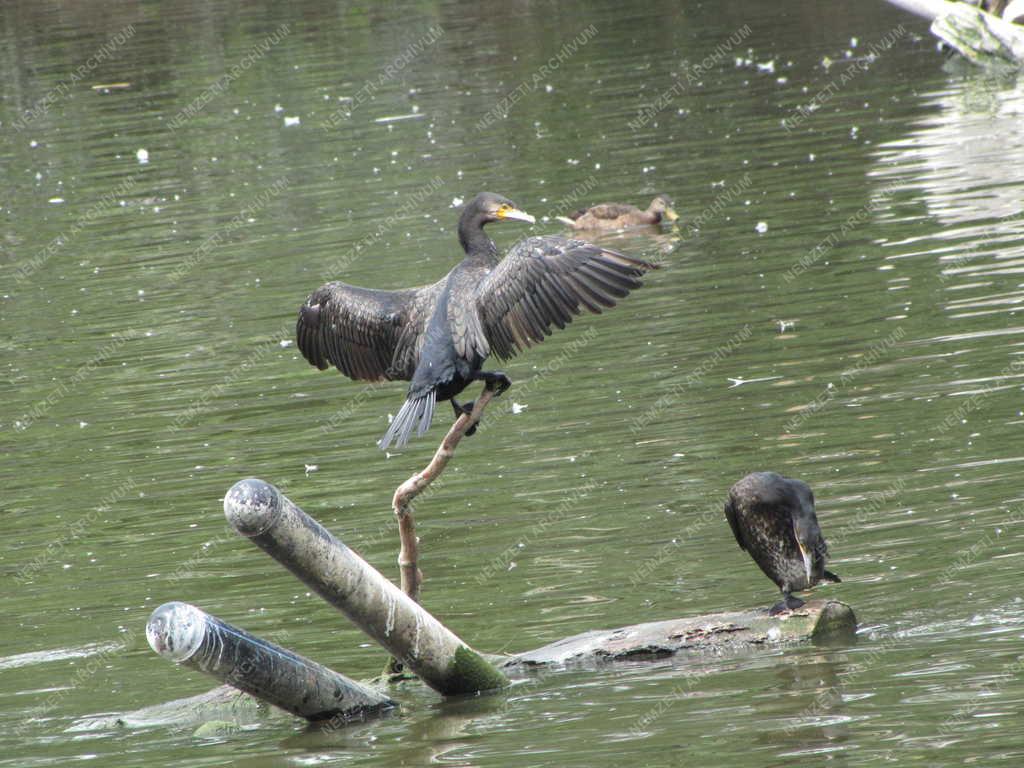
{"x":261,"y":513}
{"x":195,"y":639}
{"x":977,"y":35}
{"x":734,"y":632}
{"x":221,"y":704}
{"x":816,"y":620}
{"x":258,"y":511}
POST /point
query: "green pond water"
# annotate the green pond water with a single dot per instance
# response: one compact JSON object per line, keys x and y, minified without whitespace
{"x":841,"y":303}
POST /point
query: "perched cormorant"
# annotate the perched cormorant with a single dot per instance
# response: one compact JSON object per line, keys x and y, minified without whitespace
{"x":620,"y":215}
{"x":773,"y":519}
{"x":438,"y":336}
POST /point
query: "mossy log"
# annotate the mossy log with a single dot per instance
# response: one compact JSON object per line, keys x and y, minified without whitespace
{"x":261,"y":513}
{"x":716,"y":632}
{"x":977,"y":35}
{"x":733,"y":632}
{"x":193,"y":638}
{"x":221,"y":704}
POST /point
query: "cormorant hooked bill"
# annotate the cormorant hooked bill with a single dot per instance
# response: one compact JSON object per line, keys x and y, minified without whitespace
{"x":772,"y":518}
{"x":621,"y":215}
{"x":438,"y":336}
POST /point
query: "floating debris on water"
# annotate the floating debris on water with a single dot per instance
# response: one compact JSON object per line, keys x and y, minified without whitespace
{"x":397,"y":118}
{"x":739,"y":381}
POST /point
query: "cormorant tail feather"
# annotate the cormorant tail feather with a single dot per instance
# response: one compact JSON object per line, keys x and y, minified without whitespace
{"x":415,"y":412}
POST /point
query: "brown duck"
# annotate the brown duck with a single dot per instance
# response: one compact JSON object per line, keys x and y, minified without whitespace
{"x":621,"y":216}
{"x":438,"y":336}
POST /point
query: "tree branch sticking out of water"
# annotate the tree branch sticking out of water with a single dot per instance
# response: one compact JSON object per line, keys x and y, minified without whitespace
{"x":408,"y":556}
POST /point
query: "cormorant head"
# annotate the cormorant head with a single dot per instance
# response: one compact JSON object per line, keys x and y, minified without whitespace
{"x":483,"y":209}
{"x":663,"y":204}
{"x":805,"y":528}
{"x":487,"y":207}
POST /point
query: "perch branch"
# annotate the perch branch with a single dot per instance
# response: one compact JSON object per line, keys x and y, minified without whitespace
{"x":408,"y":556}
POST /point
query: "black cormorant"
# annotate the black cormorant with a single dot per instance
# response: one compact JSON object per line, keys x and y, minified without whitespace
{"x":438,"y":336}
{"x":620,"y":215}
{"x":773,"y":519}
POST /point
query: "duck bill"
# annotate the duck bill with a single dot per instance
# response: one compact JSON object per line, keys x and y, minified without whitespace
{"x":671,"y":215}
{"x":515,"y":213}
{"x":807,"y":562}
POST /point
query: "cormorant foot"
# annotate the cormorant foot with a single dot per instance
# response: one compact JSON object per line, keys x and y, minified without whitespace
{"x":788,"y":603}
{"x":497,"y":381}
{"x":466,"y":409}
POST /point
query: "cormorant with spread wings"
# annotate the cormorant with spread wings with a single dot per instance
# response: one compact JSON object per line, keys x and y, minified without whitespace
{"x":438,"y":336}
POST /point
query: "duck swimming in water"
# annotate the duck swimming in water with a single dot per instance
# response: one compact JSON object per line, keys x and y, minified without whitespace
{"x":438,"y":336}
{"x":621,"y":216}
{"x":772,"y":518}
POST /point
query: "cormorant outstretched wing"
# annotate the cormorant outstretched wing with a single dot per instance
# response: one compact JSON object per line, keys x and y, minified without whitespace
{"x":544,"y":281}
{"x":734,"y":523}
{"x":367,"y":334}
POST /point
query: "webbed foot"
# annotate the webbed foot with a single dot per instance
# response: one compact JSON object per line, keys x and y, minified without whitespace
{"x":496,"y":381}
{"x":466,"y":409}
{"x":788,"y":603}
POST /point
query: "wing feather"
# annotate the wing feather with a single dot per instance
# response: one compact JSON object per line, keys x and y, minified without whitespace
{"x":366,"y":334}
{"x":544,"y":282}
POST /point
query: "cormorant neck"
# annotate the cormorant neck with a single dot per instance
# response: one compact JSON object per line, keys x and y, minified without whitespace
{"x":472,"y":237}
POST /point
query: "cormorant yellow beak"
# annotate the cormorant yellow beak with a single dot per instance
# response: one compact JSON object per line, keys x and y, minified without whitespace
{"x":807,"y":561}
{"x":671,"y":214}
{"x":508,"y":212}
